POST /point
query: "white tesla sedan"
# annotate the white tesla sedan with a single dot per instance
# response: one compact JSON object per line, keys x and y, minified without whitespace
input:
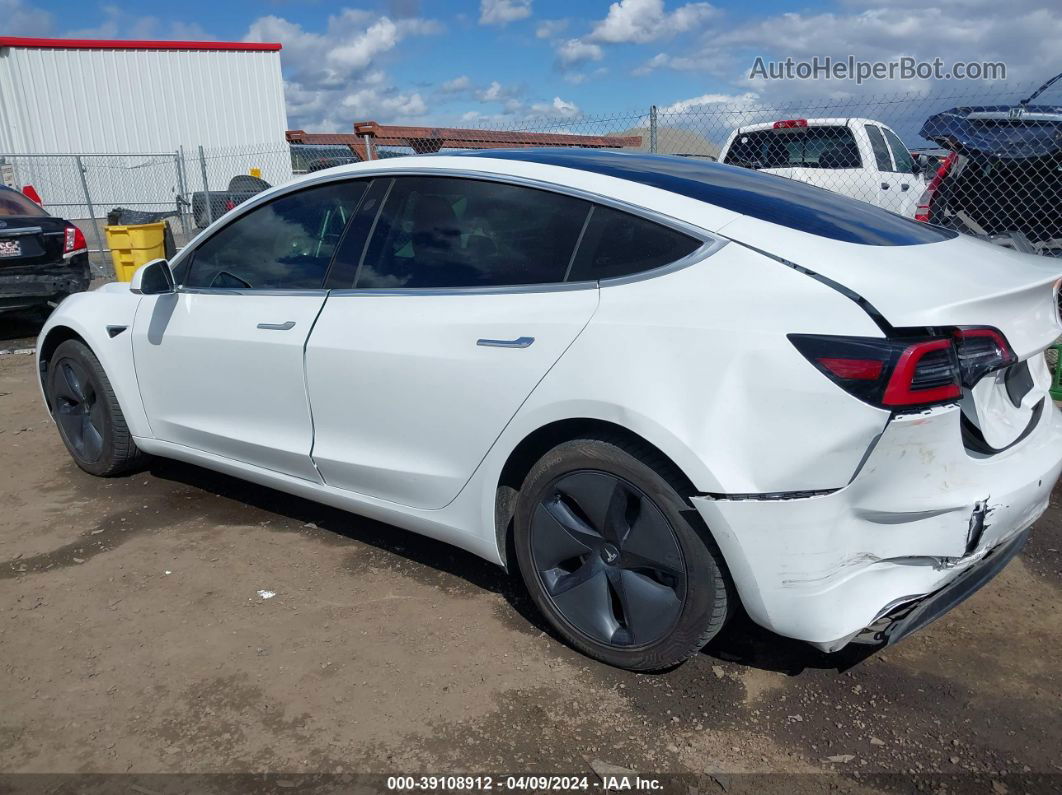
{"x":659,"y":388}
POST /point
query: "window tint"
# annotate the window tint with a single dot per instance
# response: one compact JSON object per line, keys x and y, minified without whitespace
{"x":881,"y":151}
{"x":799,"y":147}
{"x":900,"y":153}
{"x":13,"y":203}
{"x":618,"y":244}
{"x":447,"y":232}
{"x":285,"y":244}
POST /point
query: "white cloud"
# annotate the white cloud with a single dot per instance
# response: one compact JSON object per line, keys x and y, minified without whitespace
{"x":457,"y":85}
{"x":707,"y":100}
{"x":333,"y":78}
{"x":550,"y":28}
{"x":492,"y":92}
{"x":502,"y":12}
{"x":558,"y":108}
{"x":21,"y":19}
{"x":641,"y":21}
{"x":573,"y":51}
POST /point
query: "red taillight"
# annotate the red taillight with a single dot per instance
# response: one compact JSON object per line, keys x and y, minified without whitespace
{"x":888,"y":373}
{"x":229,"y":204}
{"x":908,"y":372}
{"x":981,"y":351}
{"x":857,"y":369}
{"x":786,"y":124}
{"x":924,"y":210}
{"x":925,"y":373}
{"x":73,"y":241}
{"x":30,"y":193}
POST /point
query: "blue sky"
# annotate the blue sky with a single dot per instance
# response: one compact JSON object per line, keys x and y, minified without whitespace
{"x":494,"y":62}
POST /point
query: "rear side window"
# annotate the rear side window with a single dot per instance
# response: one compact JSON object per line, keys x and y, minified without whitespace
{"x":900,"y":153}
{"x":13,"y":203}
{"x":881,"y":151}
{"x":800,"y":147}
{"x":285,"y":244}
{"x":449,"y":232}
{"x":619,"y":244}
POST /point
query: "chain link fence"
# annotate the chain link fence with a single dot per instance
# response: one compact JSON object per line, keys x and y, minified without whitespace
{"x":979,"y":160}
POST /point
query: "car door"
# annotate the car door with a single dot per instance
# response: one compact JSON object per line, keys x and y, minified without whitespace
{"x":911,"y":184}
{"x":220,"y":361}
{"x":898,"y":188}
{"x":456,"y":308}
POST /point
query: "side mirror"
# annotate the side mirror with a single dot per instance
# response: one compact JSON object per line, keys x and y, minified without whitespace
{"x":153,"y":278}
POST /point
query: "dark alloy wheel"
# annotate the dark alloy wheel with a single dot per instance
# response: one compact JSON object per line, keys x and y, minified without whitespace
{"x":608,"y":559}
{"x":86,"y":411}
{"x":616,"y":558}
{"x":79,"y":410}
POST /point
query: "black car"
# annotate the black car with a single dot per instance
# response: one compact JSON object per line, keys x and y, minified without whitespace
{"x":43,"y":259}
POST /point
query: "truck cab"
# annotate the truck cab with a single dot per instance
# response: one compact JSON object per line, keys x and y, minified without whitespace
{"x":860,"y":158}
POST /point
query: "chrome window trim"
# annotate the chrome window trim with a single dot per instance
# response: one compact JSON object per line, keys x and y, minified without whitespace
{"x":712,"y":241}
{"x":250,"y":291}
{"x":545,"y":287}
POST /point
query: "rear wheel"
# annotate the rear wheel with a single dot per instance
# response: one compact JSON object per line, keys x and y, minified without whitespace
{"x":611,"y":559}
{"x":87,"y":413}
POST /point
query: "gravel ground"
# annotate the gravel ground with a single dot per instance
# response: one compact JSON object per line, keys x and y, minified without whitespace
{"x":179,"y":621}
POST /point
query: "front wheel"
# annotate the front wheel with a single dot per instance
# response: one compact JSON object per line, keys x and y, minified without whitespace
{"x":609,"y":556}
{"x":87,"y":413}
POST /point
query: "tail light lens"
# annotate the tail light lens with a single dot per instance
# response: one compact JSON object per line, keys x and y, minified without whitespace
{"x":73,"y":241}
{"x":981,"y":351}
{"x":788,"y":124}
{"x":907,"y":372}
{"x":924,"y":211}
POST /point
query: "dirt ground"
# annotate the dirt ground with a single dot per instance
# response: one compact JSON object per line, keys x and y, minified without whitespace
{"x":179,"y":621}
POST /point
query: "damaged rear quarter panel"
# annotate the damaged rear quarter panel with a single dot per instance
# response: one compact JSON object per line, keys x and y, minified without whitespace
{"x":920,"y":510}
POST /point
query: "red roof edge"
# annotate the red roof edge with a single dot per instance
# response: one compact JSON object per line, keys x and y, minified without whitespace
{"x":128,"y":44}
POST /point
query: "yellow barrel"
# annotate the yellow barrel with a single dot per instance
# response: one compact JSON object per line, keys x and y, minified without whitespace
{"x":132,"y":246}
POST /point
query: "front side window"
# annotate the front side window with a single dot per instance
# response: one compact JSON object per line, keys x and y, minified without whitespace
{"x":795,"y":147}
{"x":451,"y":232}
{"x":285,"y":244}
{"x":900,"y":153}
{"x":620,"y":244}
{"x":881,"y":151}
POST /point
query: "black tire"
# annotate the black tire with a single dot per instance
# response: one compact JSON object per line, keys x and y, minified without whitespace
{"x":87,"y":413}
{"x":633,"y":537}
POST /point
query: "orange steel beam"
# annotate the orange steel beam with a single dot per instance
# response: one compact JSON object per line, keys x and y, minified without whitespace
{"x":431,"y":139}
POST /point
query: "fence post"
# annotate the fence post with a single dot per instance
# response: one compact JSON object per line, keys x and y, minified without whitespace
{"x":652,"y":128}
{"x":182,"y":190}
{"x":206,"y":187}
{"x":88,"y":203}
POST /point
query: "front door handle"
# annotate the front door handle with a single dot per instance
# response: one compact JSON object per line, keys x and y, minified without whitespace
{"x":884,"y":185}
{"x":290,"y":324}
{"x":519,"y":342}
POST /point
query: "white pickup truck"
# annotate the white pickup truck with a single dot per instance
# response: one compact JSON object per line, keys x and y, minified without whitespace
{"x":861,"y":158}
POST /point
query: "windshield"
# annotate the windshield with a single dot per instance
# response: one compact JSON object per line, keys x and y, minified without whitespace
{"x":804,"y":147}
{"x":13,"y":203}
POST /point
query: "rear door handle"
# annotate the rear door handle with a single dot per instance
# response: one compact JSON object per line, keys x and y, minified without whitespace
{"x":884,"y":185}
{"x":519,"y":342}
{"x":290,"y":324}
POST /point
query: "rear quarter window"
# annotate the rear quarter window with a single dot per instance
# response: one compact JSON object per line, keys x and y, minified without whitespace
{"x":616,"y":244}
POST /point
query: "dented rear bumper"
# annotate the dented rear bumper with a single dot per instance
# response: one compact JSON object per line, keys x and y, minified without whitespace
{"x":921,"y":512}
{"x":30,"y":285}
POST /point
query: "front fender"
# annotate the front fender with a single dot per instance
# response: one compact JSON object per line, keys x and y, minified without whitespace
{"x":94,"y":317}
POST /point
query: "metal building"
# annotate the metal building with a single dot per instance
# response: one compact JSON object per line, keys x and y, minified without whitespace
{"x":136,"y":98}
